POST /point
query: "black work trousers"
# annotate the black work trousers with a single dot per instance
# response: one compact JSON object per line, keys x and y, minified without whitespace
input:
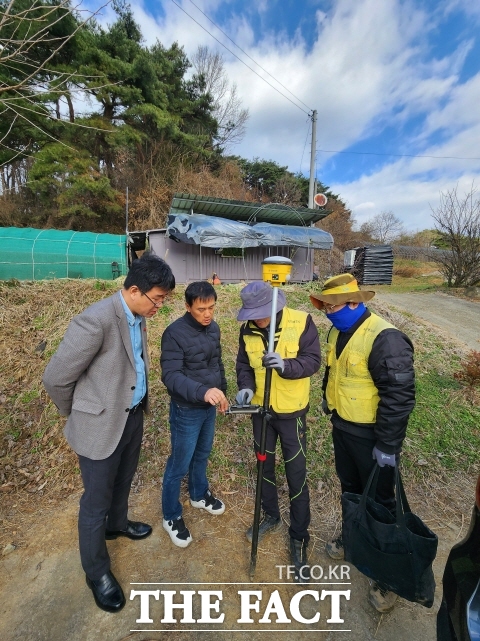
{"x":354,"y":463}
{"x":293,"y":441}
{"x":104,"y":501}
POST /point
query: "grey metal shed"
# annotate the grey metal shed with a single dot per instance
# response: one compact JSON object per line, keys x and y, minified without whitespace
{"x":195,"y":252}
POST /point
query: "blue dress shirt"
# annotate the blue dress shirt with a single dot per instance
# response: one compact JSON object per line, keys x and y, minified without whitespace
{"x":134,"y":323}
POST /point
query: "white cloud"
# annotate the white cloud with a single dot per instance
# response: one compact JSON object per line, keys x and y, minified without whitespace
{"x":459,"y":112}
{"x":407,"y":189}
{"x":410,"y":187}
{"x":468,"y":7}
{"x":352,"y":78}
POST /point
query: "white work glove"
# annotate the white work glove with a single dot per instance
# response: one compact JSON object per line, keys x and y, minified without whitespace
{"x":244,"y":396}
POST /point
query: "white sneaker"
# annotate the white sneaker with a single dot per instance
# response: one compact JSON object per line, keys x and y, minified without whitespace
{"x":209,"y":503}
{"x":178,"y":532}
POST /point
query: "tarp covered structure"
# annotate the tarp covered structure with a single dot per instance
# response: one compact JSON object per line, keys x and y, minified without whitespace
{"x":36,"y":254}
{"x":214,"y":232}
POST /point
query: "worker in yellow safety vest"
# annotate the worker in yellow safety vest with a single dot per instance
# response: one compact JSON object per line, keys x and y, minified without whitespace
{"x":296,"y":357}
{"x":369,"y":393}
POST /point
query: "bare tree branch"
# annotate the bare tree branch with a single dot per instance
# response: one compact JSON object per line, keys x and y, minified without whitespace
{"x":227,"y":106}
{"x":457,"y":221}
{"x":383,"y":228}
{"x":21,"y":47}
{"x":44,"y":113}
{"x":9,"y":129}
{"x":46,"y":133}
{"x":33,"y":83}
{"x":19,"y":153}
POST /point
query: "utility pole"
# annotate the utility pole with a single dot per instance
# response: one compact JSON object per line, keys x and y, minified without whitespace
{"x":126,"y":212}
{"x":311,"y":187}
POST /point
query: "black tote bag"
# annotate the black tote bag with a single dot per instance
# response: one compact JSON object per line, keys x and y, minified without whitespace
{"x":397,"y":552}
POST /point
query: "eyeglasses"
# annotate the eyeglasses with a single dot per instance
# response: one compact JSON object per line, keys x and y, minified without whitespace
{"x":329,"y":309}
{"x":157,"y":303}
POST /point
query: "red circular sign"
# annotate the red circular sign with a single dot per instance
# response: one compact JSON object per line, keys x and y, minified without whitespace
{"x":320,"y":200}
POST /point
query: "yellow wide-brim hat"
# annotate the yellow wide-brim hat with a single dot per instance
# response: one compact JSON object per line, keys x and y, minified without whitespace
{"x":340,"y":289}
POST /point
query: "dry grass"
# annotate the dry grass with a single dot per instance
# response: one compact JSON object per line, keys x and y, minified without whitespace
{"x":149,"y":204}
{"x":406,"y":271}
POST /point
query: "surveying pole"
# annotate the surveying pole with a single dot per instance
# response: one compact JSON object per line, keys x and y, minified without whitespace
{"x":311,"y":185}
{"x":276,"y":271}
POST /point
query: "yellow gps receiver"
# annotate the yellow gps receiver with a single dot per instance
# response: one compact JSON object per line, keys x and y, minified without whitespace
{"x":276,"y":270}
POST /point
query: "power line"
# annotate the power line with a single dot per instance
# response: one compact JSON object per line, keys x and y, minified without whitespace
{"x":242,"y":61}
{"x":250,"y":57}
{"x":373,"y":153}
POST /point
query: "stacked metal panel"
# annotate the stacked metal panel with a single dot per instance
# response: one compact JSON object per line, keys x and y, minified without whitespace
{"x":373,"y":265}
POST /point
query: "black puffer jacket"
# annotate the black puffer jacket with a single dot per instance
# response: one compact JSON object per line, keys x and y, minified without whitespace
{"x":191,"y":360}
{"x":391,"y":367}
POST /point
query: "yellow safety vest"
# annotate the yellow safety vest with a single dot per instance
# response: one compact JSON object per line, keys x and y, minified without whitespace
{"x":286,"y":395}
{"x":350,"y":388}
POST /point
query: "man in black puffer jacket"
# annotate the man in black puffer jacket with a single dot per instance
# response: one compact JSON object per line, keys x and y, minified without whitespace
{"x":193,"y":373}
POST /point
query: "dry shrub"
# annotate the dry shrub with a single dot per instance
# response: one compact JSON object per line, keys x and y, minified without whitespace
{"x":405,"y":271}
{"x":339,"y":223}
{"x":10,"y":205}
{"x":227,"y":182}
{"x":469,"y":375}
{"x":149,"y":206}
{"x":328,"y":263}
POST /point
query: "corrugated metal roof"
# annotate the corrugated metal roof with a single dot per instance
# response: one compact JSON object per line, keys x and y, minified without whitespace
{"x":245,"y":211}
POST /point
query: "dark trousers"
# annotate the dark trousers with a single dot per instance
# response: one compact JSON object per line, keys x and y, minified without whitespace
{"x":354,"y":463}
{"x":293,"y":441}
{"x":105,"y":498}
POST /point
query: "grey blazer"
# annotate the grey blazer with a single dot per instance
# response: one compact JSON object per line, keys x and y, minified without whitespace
{"x":91,"y":377}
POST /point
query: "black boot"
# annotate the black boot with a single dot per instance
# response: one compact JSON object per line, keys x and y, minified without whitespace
{"x":298,"y":558}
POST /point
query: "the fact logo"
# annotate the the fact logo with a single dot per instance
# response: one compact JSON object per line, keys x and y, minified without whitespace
{"x":258,"y":607}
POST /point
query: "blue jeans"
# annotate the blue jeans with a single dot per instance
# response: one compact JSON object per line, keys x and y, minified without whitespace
{"x":191,"y":433}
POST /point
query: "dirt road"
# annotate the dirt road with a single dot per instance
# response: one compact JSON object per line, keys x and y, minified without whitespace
{"x":44,"y":596}
{"x":458,"y":317}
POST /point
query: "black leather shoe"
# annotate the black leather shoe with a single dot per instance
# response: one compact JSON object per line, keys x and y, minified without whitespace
{"x":134,"y":530}
{"x":107,"y":592}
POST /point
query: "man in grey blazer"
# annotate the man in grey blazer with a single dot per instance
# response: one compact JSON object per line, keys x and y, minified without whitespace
{"x":99,"y":379}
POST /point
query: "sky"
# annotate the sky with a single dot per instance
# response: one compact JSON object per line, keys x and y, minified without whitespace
{"x":395,"y":83}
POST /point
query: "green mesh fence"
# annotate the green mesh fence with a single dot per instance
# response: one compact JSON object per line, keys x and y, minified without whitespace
{"x":37,"y":254}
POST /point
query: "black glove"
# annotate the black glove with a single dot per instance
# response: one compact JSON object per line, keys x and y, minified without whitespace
{"x":325,"y":407}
